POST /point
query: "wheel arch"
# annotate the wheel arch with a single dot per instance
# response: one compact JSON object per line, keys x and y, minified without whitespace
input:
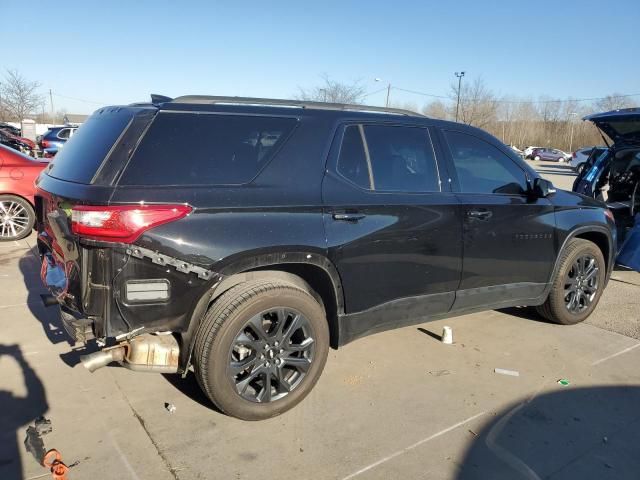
{"x":598,"y":234}
{"x":22,"y":197}
{"x":311,"y":271}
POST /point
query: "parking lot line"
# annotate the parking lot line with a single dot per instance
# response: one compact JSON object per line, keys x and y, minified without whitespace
{"x":13,"y":305}
{"x":411,"y":447}
{"x":598,"y":362}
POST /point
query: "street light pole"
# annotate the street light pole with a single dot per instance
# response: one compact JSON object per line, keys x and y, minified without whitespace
{"x":459,"y":75}
{"x":386,"y":103}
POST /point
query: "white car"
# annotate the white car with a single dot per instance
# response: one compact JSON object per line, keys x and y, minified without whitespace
{"x":580,"y":157}
{"x":528,"y":151}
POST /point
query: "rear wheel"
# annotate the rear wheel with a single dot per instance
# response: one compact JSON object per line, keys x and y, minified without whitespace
{"x":261,"y":348}
{"x":16,"y":218}
{"x":578,"y":283}
{"x":537,"y":158}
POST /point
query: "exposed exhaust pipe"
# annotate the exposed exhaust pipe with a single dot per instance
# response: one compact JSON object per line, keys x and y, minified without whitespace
{"x":144,"y":353}
{"x":48,"y":300}
{"x":94,"y":361}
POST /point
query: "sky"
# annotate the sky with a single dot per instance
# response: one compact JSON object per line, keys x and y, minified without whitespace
{"x":92,"y":53}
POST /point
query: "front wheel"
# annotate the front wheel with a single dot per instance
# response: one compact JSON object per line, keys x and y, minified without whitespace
{"x":577,"y":285}
{"x":537,"y":158}
{"x":261,"y":348}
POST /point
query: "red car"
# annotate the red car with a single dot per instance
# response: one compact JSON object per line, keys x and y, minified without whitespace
{"x":17,"y":176}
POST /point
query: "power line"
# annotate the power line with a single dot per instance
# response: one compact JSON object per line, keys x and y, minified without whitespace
{"x":591,"y":99}
{"x":419,"y":93}
{"x":374,"y":92}
{"x":80,"y":99}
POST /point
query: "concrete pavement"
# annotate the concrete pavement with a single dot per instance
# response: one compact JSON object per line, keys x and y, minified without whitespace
{"x":395,"y":405}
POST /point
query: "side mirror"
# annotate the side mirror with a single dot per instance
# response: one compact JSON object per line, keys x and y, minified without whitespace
{"x":543,"y":188}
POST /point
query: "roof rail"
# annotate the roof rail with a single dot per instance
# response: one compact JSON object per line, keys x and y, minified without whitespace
{"x":213,"y":100}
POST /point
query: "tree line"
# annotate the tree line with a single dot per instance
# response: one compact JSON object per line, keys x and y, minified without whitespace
{"x":543,"y":122}
{"x":522,"y":122}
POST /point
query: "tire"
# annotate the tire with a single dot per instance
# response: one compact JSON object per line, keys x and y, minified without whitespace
{"x":17,"y":218}
{"x":537,"y":158}
{"x":558,"y":307}
{"x":232,"y":320}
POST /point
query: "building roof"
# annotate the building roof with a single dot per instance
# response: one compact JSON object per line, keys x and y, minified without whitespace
{"x":74,"y":118}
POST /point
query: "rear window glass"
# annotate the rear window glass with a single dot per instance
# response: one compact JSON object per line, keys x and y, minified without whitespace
{"x":85,"y":151}
{"x":205,"y":149}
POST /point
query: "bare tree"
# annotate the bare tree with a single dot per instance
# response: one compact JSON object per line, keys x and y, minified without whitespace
{"x":332,"y":91}
{"x":436,"y":109}
{"x":614,"y":101}
{"x":478,"y":104}
{"x":19,"y":95}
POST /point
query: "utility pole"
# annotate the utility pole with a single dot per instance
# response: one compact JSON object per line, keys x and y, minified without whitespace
{"x":1,"y":109}
{"x":53,"y":115}
{"x":388,"y":93}
{"x":459,"y":75}
{"x":573,"y":114}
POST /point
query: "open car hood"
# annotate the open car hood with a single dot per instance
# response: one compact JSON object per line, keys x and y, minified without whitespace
{"x":620,"y":125}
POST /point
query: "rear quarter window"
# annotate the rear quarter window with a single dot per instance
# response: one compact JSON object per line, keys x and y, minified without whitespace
{"x":206,"y":149}
{"x":85,"y":151}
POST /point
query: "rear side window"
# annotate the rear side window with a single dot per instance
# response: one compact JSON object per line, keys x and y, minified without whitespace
{"x":83,"y":153}
{"x":402,"y":159}
{"x":482,"y":168}
{"x":205,"y":149}
{"x":64,"y":133}
{"x":389,"y":158}
{"x":352,"y":162}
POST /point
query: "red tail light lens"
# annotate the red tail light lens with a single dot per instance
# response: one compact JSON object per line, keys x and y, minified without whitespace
{"x":45,"y":143}
{"x":573,"y":154}
{"x":124,"y":223}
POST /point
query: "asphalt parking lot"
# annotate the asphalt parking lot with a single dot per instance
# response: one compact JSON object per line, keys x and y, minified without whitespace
{"x":394,"y":405}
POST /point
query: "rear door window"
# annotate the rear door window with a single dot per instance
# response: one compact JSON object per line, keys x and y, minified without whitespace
{"x":205,"y":149}
{"x":352,"y":161}
{"x":389,"y":158}
{"x":482,"y":168}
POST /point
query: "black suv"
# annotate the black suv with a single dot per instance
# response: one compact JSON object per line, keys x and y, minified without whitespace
{"x":241,"y":238}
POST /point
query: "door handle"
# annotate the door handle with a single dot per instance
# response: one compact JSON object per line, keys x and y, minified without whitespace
{"x":348,"y":217}
{"x":480,"y":214}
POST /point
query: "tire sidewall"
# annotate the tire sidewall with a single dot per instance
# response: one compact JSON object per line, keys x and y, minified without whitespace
{"x":225,"y":392}
{"x":32,"y":216}
{"x":557,"y":297}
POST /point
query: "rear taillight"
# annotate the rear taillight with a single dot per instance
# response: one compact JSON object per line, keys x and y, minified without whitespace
{"x":573,"y":154}
{"x":44,"y":143}
{"x":122,"y":223}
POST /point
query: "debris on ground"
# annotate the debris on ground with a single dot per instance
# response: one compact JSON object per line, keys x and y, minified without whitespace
{"x":170,"y":407}
{"x":564,"y":382}
{"x":33,"y":441}
{"x":439,"y":373}
{"x":53,"y":460}
{"x":511,"y":373}
{"x":473,"y":433}
{"x":447,"y":335}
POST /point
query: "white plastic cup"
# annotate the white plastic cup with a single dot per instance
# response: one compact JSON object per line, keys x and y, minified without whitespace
{"x":447,"y":335}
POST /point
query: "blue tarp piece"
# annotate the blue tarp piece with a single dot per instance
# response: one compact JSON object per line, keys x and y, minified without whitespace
{"x":629,"y":255}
